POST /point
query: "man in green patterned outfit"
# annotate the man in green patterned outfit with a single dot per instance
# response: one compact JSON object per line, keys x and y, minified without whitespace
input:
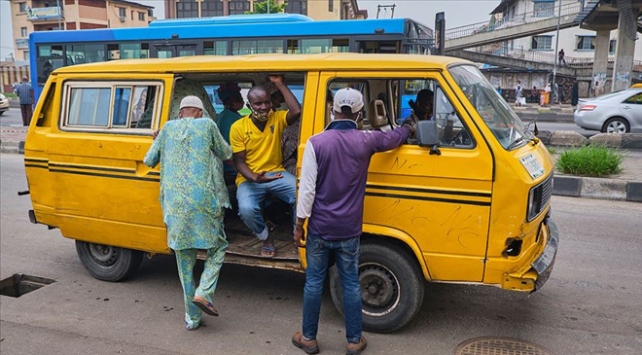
{"x":193,"y":195}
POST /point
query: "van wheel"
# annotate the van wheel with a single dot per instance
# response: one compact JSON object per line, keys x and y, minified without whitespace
{"x":108,"y":263}
{"x":392,"y":288}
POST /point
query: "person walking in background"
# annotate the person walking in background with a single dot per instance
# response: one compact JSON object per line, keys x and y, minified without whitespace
{"x":560,"y":57}
{"x":518,"y":93}
{"x":25,"y":95}
{"x":193,"y":195}
{"x":332,"y":189}
{"x":534,"y":95}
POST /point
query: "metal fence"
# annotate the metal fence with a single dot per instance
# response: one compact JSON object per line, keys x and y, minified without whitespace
{"x":517,"y":19}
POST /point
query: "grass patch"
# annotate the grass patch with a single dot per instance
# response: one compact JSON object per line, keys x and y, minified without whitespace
{"x":593,"y":161}
{"x":10,"y":95}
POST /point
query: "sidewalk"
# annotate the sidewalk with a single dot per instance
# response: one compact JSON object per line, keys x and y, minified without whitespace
{"x":626,"y":186}
{"x":550,"y":113}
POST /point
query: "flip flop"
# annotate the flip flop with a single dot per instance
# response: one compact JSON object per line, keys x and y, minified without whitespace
{"x":268,"y":251}
{"x":205,"y":306}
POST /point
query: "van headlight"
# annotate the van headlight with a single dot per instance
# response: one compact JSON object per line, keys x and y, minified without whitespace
{"x":538,"y":198}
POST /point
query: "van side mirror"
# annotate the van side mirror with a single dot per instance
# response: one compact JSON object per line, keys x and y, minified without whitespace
{"x":428,"y":136}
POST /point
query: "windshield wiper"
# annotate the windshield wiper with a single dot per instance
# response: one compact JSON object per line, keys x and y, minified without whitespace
{"x":515,"y":143}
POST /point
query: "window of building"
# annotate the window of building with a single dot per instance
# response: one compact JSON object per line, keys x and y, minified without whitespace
{"x":331,"y":5}
{"x":141,"y":16}
{"x":22,"y":7}
{"x":23,"y":32}
{"x":110,"y":106}
{"x":122,"y":12}
{"x":25,"y":55}
{"x":543,"y":8}
{"x":238,"y":7}
{"x":212,"y":8}
{"x":612,"y":46}
{"x":297,"y":7}
{"x":585,"y":43}
{"x":132,"y":15}
{"x":541,"y":43}
{"x":186,"y":9}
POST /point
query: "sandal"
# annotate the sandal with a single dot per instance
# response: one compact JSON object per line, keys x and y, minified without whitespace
{"x":205,"y":306}
{"x":268,"y":251}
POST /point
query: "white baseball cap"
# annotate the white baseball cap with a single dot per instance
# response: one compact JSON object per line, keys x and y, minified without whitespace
{"x":348,"y":97}
{"x":191,"y":101}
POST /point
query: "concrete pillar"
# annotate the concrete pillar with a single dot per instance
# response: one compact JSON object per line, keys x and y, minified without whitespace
{"x":600,"y":62}
{"x":624,"y":52}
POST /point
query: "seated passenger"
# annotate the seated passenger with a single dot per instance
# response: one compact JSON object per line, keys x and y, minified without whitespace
{"x":230,"y":95}
{"x":256,"y":144}
{"x":422,"y":109}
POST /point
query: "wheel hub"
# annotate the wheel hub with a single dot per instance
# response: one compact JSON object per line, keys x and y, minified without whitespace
{"x":378,"y":286}
{"x":102,"y":254}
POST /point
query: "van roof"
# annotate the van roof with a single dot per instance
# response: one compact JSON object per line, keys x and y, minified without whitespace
{"x":276,"y":62}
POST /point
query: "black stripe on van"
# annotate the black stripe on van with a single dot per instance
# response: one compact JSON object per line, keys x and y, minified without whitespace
{"x":433,"y":191}
{"x":424,"y":198}
{"x":87,"y":173}
{"x":99,"y":168}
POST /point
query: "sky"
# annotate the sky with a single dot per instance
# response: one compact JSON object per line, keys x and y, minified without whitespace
{"x":458,"y":13}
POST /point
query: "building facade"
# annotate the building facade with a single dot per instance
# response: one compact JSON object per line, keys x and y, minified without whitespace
{"x":316,"y":9}
{"x":48,"y":15}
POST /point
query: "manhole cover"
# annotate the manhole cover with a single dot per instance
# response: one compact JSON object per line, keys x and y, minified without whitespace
{"x":499,"y":346}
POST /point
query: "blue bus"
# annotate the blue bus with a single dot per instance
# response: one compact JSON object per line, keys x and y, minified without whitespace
{"x":230,"y":35}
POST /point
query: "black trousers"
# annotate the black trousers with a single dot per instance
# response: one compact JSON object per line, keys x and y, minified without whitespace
{"x":26,"y":112}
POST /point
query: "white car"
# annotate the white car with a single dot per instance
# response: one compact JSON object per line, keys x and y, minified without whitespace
{"x":617,"y":112}
{"x":4,"y":104}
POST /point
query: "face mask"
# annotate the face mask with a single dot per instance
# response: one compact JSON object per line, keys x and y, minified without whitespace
{"x":261,"y":117}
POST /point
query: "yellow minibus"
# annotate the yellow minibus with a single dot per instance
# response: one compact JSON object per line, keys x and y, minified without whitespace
{"x":467,"y":201}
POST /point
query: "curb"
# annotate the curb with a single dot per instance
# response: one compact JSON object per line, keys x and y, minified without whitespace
{"x":605,"y":189}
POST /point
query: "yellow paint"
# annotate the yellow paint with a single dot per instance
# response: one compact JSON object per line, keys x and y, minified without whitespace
{"x":453,"y":212}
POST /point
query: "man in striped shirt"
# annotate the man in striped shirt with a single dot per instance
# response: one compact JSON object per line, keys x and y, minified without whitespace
{"x":25,"y":94}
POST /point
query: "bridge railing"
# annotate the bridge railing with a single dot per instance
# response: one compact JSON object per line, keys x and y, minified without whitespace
{"x":539,"y":56}
{"x":517,"y":19}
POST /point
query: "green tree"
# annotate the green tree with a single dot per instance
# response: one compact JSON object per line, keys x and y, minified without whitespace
{"x":262,"y":7}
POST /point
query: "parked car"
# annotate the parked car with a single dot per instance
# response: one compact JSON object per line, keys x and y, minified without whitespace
{"x":4,"y":104}
{"x":617,"y":112}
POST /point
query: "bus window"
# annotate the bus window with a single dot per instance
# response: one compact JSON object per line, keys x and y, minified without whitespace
{"x":186,"y":50}
{"x":89,"y":107}
{"x":49,"y":59}
{"x":84,"y":53}
{"x":215,"y":48}
{"x":134,"y":50}
{"x":378,"y":46}
{"x":121,"y":107}
{"x":318,"y":45}
{"x":257,"y":47}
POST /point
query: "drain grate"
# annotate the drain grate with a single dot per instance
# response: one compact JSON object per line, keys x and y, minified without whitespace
{"x":499,"y":346}
{"x":21,"y":284}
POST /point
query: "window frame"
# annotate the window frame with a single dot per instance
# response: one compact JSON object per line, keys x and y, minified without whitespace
{"x":536,"y":39}
{"x":69,"y":85}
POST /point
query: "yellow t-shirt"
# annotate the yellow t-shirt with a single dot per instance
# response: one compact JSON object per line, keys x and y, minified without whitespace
{"x":262,"y":149}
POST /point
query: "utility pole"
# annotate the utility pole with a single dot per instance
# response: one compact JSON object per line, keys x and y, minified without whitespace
{"x":557,"y":43}
{"x":386,"y":7}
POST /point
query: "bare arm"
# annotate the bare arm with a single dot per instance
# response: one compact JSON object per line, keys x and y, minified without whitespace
{"x":248,"y":174}
{"x":294,"y":107}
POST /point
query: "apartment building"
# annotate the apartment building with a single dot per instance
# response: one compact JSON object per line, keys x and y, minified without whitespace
{"x":316,"y":9}
{"x":47,"y":15}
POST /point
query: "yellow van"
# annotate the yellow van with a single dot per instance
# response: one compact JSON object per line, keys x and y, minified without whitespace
{"x":636,"y":86}
{"x":470,"y":205}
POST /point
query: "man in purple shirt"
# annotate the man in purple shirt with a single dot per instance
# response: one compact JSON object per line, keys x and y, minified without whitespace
{"x":331,"y":193}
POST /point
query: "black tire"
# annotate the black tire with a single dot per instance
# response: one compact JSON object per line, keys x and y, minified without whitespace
{"x":108,"y":263}
{"x":618,"y":123}
{"x":392,"y":287}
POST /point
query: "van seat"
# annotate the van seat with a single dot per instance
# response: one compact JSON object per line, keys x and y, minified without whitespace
{"x":378,"y":116}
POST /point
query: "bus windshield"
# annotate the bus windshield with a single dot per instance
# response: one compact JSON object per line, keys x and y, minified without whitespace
{"x":493,"y":109}
{"x":228,"y":35}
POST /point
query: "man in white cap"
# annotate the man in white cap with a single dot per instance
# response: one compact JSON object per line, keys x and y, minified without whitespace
{"x":331,"y":193}
{"x":193,"y":195}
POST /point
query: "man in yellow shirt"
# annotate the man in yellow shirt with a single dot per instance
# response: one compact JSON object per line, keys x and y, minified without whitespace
{"x":256,"y":144}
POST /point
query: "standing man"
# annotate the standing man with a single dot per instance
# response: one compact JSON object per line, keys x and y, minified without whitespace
{"x":191,"y":152}
{"x":331,"y":194}
{"x":25,"y":94}
{"x":256,"y":144}
{"x":518,"y":93}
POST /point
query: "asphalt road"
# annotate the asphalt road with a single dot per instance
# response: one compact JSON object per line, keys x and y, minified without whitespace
{"x":591,"y":304}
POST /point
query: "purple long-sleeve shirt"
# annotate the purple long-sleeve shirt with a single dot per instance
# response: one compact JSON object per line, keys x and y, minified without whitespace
{"x":333,"y":177}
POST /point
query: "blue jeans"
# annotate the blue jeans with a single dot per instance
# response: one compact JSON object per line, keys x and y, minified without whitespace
{"x":346,"y":254}
{"x":251,"y":195}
